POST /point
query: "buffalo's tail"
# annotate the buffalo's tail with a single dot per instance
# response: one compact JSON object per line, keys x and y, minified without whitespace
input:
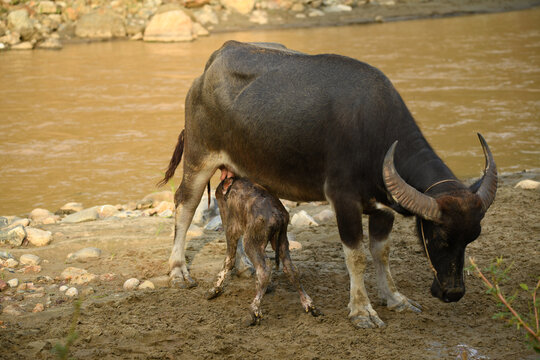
{"x":175,"y":160}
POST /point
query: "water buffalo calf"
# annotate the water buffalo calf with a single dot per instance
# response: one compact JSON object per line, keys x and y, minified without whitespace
{"x":248,"y":209}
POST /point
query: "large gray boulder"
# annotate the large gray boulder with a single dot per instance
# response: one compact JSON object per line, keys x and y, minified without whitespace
{"x":100,"y":25}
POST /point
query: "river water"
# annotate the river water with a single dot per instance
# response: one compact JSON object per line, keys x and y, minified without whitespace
{"x":97,"y":123}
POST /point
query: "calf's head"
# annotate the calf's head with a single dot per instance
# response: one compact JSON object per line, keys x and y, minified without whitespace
{"x":446,"y":221}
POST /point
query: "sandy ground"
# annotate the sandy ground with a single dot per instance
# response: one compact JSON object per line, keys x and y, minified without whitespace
{"x":173,"y":323}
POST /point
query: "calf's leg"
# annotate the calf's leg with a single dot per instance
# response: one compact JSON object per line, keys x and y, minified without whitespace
{"x":254,"y":247}
{"x":293,"y":275}
{"x":380,"y":225}
{"x":228,"y":265}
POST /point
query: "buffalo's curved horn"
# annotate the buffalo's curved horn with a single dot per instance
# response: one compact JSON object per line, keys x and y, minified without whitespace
{"x":405,"y":195}
{"x":488,"y":187}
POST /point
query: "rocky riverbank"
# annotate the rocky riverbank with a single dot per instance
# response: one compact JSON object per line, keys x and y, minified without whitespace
{"x":48,"y":24}
{"x":114,"y":258}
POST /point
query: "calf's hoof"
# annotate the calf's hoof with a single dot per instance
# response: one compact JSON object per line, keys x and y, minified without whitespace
{"x":253,"y":319}
{"x":367,"y":322}
{"x":213,"y":293}
{"x":313,"y":311}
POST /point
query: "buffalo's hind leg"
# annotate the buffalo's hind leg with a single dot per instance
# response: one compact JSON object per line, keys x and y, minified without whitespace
{"x":187,"y":199}
{"x":380,"y":225}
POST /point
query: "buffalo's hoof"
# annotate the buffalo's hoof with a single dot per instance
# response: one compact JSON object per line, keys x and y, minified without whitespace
{"x":213,"y":293}
{"x":406,"y":305}
{"x":182,"y":283}
{"x":367,"y":322}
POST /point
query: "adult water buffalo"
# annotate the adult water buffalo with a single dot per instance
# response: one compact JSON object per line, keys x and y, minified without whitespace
{"x":316,"y":127}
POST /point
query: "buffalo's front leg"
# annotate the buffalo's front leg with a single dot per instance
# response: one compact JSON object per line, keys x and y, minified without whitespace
{"x":186,"y":199}
{"x":380,"y":225}
{"x":349,"y":219}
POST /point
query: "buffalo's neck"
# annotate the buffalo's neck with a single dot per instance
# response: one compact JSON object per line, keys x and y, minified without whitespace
{"x":418,"y":164}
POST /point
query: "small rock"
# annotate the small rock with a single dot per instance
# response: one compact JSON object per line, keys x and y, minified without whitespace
{"x":146,"y":284}
{"x":5,"y":255}
{"x":137,"y":37}
{"x":14,"y":236}
{"x":164,"y":205}
{"x":158,"y":197}
{"x":243,"y":7}
{"x":3,"y":285}
{"x":17,"y":221}
{"x":30,"y":269}
{"x":107,"y":277}
{"x":206,"y":15}
{"x":84,"y":255}
{"x":100,"y":25}
{"x":4,"y":221}
{"x":204,"y":213}
{"x":11,"y":263}
{"x":38,"y":308}
{"x":89,"y":214}
{"x":215,"y":224}
{"x":294,"y":245}
{"x":13,"y":283}
{"x":46,"y":7}
{"x":42,"y":216}
{"x":38,"y":237}
{"x":29,"y":259}
{"x":77,"y":276}
{"x":70,"y":208}
{"x":315,"y":12}
{"x":13,"y":310}
{"x":302,"y":219}
{"x":166,"y":214}
{"x":528,"y":185}
{"x":288,"y":203}
{"x":72,"y":292}
{"x":131,"y":284}
{"x":324,"y":216}
{"x":106,"y":211}
{"x":19,"y":21}
{"x":337,"y":8}
{"x":63,"y":288}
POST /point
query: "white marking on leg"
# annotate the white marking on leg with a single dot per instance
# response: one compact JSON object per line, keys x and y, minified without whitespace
{"x":355,"y":260}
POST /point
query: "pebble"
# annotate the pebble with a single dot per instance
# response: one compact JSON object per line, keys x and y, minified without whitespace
{"x":131,"y":284}
{"x":3,"y":221}
{"x":84,"y":255}
{"x":146,"y":284}
{"x":77,"y":276}
{"x":63,"y":288}
{"x":164,"y":205}
{"x":156,"y":198}
{"x":11,"y":263}
{"x":14,"y":236}
{"x":89,"y":214}
{"x":528,"y":185}
{"x":38,"y":308}
{"x":13,"y":283}
{"x":87,"y":291}
{"x":70,"y":208}
{"x":5,"y":255}
{"x":3,"y":285}
{"x":303,"y":219}
{"x":38,"y":237}
{"x":166,"y":214}
{"x":42,"y":216}
{"x":72,"y":292}
{"x":324,"y":216}
{"x":293,"y":244}
{"x":29,"y":259}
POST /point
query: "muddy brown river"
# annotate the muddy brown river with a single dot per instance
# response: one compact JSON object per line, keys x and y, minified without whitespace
{"x":97,"y":123}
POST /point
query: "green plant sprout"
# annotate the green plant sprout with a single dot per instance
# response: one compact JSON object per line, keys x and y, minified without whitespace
{"x":498,"y":275}
{"x":62,"y":351}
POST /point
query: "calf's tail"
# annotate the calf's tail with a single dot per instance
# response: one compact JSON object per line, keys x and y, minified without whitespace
{"x":175,"y":161}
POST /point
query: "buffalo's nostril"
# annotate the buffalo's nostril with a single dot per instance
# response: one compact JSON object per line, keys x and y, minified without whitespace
{"x":453,"y":295}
